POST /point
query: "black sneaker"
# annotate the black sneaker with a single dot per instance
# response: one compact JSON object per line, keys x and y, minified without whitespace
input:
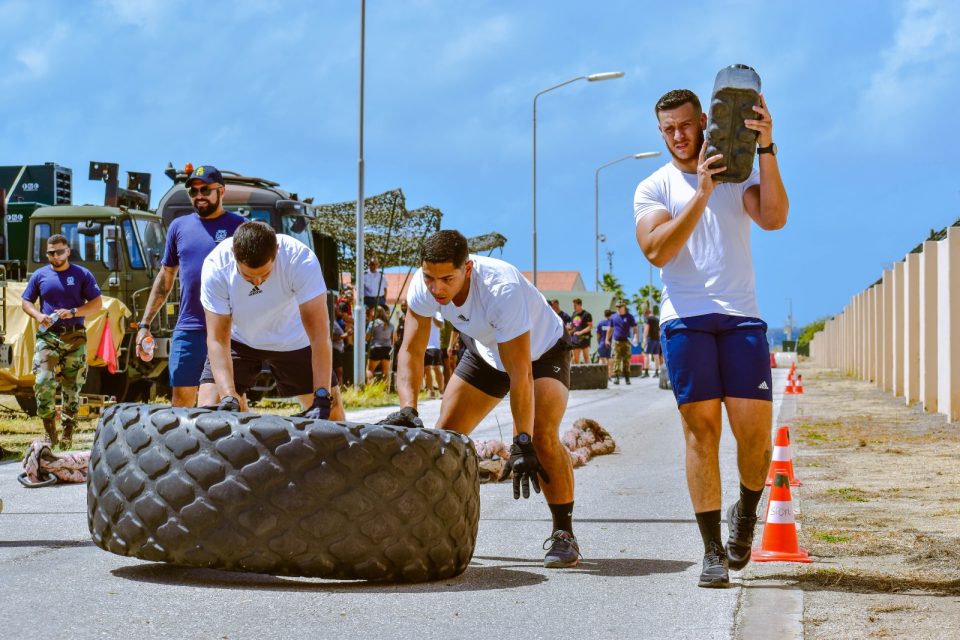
{"x":715,"y":574}
{"x":616,"y":381}
{"x":740,"y":540}
{"x":628,"y":380}
{"x":564,"y":552}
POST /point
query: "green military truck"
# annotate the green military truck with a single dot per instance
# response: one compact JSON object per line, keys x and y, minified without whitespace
{"x":257,"y":199}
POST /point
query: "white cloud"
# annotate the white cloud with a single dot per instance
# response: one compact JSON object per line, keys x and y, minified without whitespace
{"x":920,"y":64}
{"x":146,"y":14}
{"x":35,"y":57}
{"x":477,"y":40}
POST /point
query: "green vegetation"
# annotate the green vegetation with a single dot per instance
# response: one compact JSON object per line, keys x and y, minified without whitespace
{"x":849,"y":494}
{"x":610,"y":284}
{"x":806,"y":335}
{"x":832,"y":538}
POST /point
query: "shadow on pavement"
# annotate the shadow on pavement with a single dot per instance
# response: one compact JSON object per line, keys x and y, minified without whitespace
{"x":599,"y":520}
{"x":55,"y":544}
{"x":475,"y":578}
{"x":609,"y":567}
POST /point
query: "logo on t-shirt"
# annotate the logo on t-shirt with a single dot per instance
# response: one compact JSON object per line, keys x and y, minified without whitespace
{"x":460,"y":316}
{"x":70,"y":280}
{"x":255,"y":291}
{"x":221,"y":235}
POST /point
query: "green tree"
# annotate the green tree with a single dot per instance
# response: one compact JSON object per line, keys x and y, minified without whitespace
{"x":647,"y":297}
{"x":610,"y":284}
{"x":806,"y":335}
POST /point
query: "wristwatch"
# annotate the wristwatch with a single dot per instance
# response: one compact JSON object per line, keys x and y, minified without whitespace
{"x":522,"y":439}
{"x":73,"y":312}
{"x":143,"y":325}
{"x":771,"y":149}
{"x":322,"y":394}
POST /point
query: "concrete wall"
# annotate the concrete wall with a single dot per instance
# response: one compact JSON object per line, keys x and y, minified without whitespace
{"x":903,"y":334}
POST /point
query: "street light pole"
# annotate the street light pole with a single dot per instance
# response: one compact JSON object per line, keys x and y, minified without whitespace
{"x":596,"y":210}
{"x":359,"y":315}
{"x":593,"y":77}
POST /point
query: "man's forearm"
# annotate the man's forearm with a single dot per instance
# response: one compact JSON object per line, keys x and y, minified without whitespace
{"x":162,"y":285}
{"x":321,"y":359}
{"x":521,"y":402}
{"x":90,"y":307}
{"x":221,"y":364}
{"x":666,"y":240}
{"x":32,"y":311}
{"x":774,"y":203}
{"x":409,"y":376}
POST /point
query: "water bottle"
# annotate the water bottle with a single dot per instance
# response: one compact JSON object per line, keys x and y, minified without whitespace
{"x":147,"y":346}
{"x":735,"y":92}
{"x":54,"y":318}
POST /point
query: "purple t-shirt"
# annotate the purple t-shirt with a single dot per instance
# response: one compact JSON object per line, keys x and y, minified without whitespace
{"x":621,"y":326}
{"x":72,"y":287}
{"x":190,"y":239}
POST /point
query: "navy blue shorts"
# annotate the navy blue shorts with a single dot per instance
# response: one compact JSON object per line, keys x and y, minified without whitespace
{"x":188,"y":353}
{"x":717,"y":356}
{"x":603,"y":350}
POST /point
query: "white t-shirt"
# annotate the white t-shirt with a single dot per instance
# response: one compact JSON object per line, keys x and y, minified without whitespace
{"x":433,"y":342}
{"x":266,"y":316}
{"x":500,"y":306}
{"x":713,"y":271}
{"x":374,"y":284}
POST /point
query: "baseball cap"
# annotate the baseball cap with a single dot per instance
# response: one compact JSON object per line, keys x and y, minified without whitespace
{"x":208,"y":174}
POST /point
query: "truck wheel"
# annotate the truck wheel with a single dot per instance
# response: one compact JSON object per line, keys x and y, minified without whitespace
{"x":284,"y":496}
{"x":28,"y":403}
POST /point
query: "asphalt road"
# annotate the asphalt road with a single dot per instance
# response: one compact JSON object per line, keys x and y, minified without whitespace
{"x":633,"y":519}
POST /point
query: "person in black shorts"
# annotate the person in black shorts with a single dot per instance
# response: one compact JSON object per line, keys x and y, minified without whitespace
{"x":651,"y":342}
{"x":514,"y":343}
{"x":581,"y":329}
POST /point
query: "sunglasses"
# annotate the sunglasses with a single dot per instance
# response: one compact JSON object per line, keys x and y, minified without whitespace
{"x":193,"y":192}
{"x":56,"y":252}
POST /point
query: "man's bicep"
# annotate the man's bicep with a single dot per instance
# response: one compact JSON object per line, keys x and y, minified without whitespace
{"x":218,"y":325}
{"x":314,"y":314}
{"x":647,"y":225}
{"x":751,"y":202}
{"x":416,"y":330}
{"x":515,"y":354}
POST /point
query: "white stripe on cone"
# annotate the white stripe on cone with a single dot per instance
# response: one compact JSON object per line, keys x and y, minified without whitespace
{"x":780,"y":512}
{"x":782,"y":454}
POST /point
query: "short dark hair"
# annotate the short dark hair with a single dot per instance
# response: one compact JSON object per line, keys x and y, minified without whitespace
{"x":447,"y":245}
{"x":677,"y":98}
{"x":254,"y":244}
{"x":577,"y":301}
{"x":58,"y":238}
{"x":607,"y":313}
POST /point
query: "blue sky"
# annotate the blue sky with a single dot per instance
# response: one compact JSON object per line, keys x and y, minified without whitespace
{"x":862,"y":92}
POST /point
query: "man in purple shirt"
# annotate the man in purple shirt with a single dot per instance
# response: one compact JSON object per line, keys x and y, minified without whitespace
{"x":190,"y":239}
{"x":622,"y":326}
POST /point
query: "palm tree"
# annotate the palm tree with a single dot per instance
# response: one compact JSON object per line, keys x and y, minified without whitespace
{"x":611,"y":284}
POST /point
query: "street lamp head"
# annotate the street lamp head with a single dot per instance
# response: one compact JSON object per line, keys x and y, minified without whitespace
{"x":645,"y":154}
{"x":607,"y":75}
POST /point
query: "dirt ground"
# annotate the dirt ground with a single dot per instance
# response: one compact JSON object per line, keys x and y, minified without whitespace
{"x":879,"y":513}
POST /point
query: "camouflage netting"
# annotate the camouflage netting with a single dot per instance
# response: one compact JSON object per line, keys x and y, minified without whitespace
{"x":391,"y":232}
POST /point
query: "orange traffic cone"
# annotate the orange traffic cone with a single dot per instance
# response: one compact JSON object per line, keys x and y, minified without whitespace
{"x":782,"y":461}
{"x":773,"y":361}
{"x":779,"y":542}
{"x":798,"y":386}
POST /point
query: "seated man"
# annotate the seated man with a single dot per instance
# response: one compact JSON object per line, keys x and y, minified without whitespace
{"x":514,"y":343}
{"x":266,"y":303}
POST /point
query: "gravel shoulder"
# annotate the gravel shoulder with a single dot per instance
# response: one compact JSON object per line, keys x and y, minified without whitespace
{"x":879,"y":513}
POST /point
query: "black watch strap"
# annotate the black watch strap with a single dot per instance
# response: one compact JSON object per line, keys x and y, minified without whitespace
{"x":143,"y":325}
{"x":771,"y":149}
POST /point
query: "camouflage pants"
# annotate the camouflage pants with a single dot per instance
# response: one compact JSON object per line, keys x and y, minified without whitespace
{"x":68,"y":353}
{"x":621,"y":358}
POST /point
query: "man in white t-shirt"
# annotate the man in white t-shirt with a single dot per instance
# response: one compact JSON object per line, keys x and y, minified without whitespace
{"x":266,"y":304}
{"x":516,"y":344}
{"x":697,"y":230}
{"x":374,"y":285}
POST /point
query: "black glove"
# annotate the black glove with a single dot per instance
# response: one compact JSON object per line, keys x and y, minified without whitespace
{"x":525,"y":466}
{"x":319,"y":410}
{"x":228,"y":403}
{"x":406,"y":417}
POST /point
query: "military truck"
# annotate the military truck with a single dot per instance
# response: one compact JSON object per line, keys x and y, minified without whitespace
{"x":121,"y":243}
{"x":257,"y":199}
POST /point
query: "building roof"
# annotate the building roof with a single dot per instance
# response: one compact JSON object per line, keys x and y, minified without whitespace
{"x":557,"y":280}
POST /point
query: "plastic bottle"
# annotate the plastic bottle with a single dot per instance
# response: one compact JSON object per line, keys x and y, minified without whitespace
{"x":54,"y":318}
{"x":735,"y":92}
{"x":147,"y":346}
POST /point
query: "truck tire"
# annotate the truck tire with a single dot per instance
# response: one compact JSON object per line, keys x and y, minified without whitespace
{"x":283,"y":496}
{"x":588,"y":376}
{"x":28,"y":404}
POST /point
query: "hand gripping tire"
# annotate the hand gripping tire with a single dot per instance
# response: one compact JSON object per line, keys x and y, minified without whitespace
{"x":284,"y":496}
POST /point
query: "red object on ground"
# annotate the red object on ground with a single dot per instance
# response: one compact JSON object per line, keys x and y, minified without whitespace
{"x":107,"y":351}
{"x":773,"y":361}
{"x":780,"y":542}
{"x":782,"y":461}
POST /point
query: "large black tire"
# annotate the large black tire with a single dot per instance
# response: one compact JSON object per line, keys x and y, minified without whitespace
{"x":28,"y":403}
{"x":284,"y":496}
{"x":588,"y":376}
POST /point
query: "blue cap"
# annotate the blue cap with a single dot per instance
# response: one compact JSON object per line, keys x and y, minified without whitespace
{"x":208,"y":174}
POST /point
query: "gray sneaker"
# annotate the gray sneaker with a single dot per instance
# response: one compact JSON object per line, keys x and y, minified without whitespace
{"x":563,"y":552}
{"x":716,"y":574}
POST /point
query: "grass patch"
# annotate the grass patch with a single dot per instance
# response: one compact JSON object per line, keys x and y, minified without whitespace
{"x":857,"y":581}
{"x":849,"y":494}
{"x":813,"y":437}
{"x":832,"y":538}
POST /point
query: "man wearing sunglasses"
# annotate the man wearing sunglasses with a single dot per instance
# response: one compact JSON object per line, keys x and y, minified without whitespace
{"x":67,"y":293}
{"x":190,"y":239}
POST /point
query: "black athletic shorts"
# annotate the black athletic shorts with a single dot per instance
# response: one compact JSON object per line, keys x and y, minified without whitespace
{"x":555,"y":363}
{"x":293,"y":370}
{"x":433,"y":358}
{"x":379,"y":353}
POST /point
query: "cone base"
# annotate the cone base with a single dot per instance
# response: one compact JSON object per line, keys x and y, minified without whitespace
{"x":761,"y":555}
